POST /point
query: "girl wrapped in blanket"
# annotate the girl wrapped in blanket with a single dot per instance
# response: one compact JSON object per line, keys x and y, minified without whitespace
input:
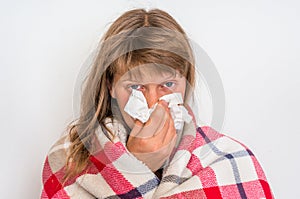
{"x":137,"y":136}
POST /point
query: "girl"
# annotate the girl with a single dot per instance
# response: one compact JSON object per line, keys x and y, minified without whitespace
{"x":133,"y":138}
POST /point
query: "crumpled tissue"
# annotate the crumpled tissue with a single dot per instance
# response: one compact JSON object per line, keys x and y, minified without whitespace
{"x":137,"y":108}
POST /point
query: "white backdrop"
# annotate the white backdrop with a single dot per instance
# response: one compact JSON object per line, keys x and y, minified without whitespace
{"x":254,"y":45}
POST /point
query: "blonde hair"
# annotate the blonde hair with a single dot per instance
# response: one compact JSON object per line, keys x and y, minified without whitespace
{"x":136,"y":37}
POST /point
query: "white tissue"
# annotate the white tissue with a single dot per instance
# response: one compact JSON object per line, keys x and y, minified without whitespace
{"x":137,"y":108}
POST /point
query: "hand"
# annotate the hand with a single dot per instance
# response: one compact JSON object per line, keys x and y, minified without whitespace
{"x":153,"y":142}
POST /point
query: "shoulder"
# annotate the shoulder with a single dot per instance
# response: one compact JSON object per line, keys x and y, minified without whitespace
{"x":219,"y":142}
{"x":57,"y":154}
{"x":53,"y":169}
{"x":215,"y":148}
{"x":228,"y":162}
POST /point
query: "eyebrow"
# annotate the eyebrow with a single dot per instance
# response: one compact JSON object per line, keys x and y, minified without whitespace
{"x":140,"y":82}
{"x":136,"y":78}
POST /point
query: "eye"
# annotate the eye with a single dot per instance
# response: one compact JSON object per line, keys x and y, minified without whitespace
{"x":169,"y":84}
{"x":135,"y":86}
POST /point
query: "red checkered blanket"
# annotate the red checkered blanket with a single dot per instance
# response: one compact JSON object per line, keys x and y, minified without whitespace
{"x":205,"y":164}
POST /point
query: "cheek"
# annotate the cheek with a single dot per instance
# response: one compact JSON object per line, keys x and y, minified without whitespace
{"x":181,"y":88}
{"x":122,"y":97}
{"x":128,"y":119}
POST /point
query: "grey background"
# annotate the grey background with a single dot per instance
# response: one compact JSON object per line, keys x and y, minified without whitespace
{"x":254,"y":45}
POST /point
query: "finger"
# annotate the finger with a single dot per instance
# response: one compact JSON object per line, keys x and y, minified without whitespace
{"x":167,"y":134}
{"x":170,"y":131}
{"x":160,"y":120}
{"x":160,"y":133}
{"x":155,"y":114}
{"x":155,"y":123}
{"x":138,"y":125}
{"x":164,"y":104}
{"x":157,"y":118}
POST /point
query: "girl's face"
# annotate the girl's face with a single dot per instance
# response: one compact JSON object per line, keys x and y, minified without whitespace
{"x":152,"y":82}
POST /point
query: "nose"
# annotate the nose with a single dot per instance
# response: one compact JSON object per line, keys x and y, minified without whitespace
{"x":152,"y":94}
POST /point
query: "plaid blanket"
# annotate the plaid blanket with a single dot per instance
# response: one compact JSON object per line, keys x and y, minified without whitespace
{"x":205,"y":164}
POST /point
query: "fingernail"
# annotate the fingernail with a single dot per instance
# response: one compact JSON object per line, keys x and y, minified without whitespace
{"x":164,"y":103}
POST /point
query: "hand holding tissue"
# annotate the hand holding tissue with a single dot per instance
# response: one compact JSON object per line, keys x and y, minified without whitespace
{"x":153,"y":141}
{"x":137,"y":108}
